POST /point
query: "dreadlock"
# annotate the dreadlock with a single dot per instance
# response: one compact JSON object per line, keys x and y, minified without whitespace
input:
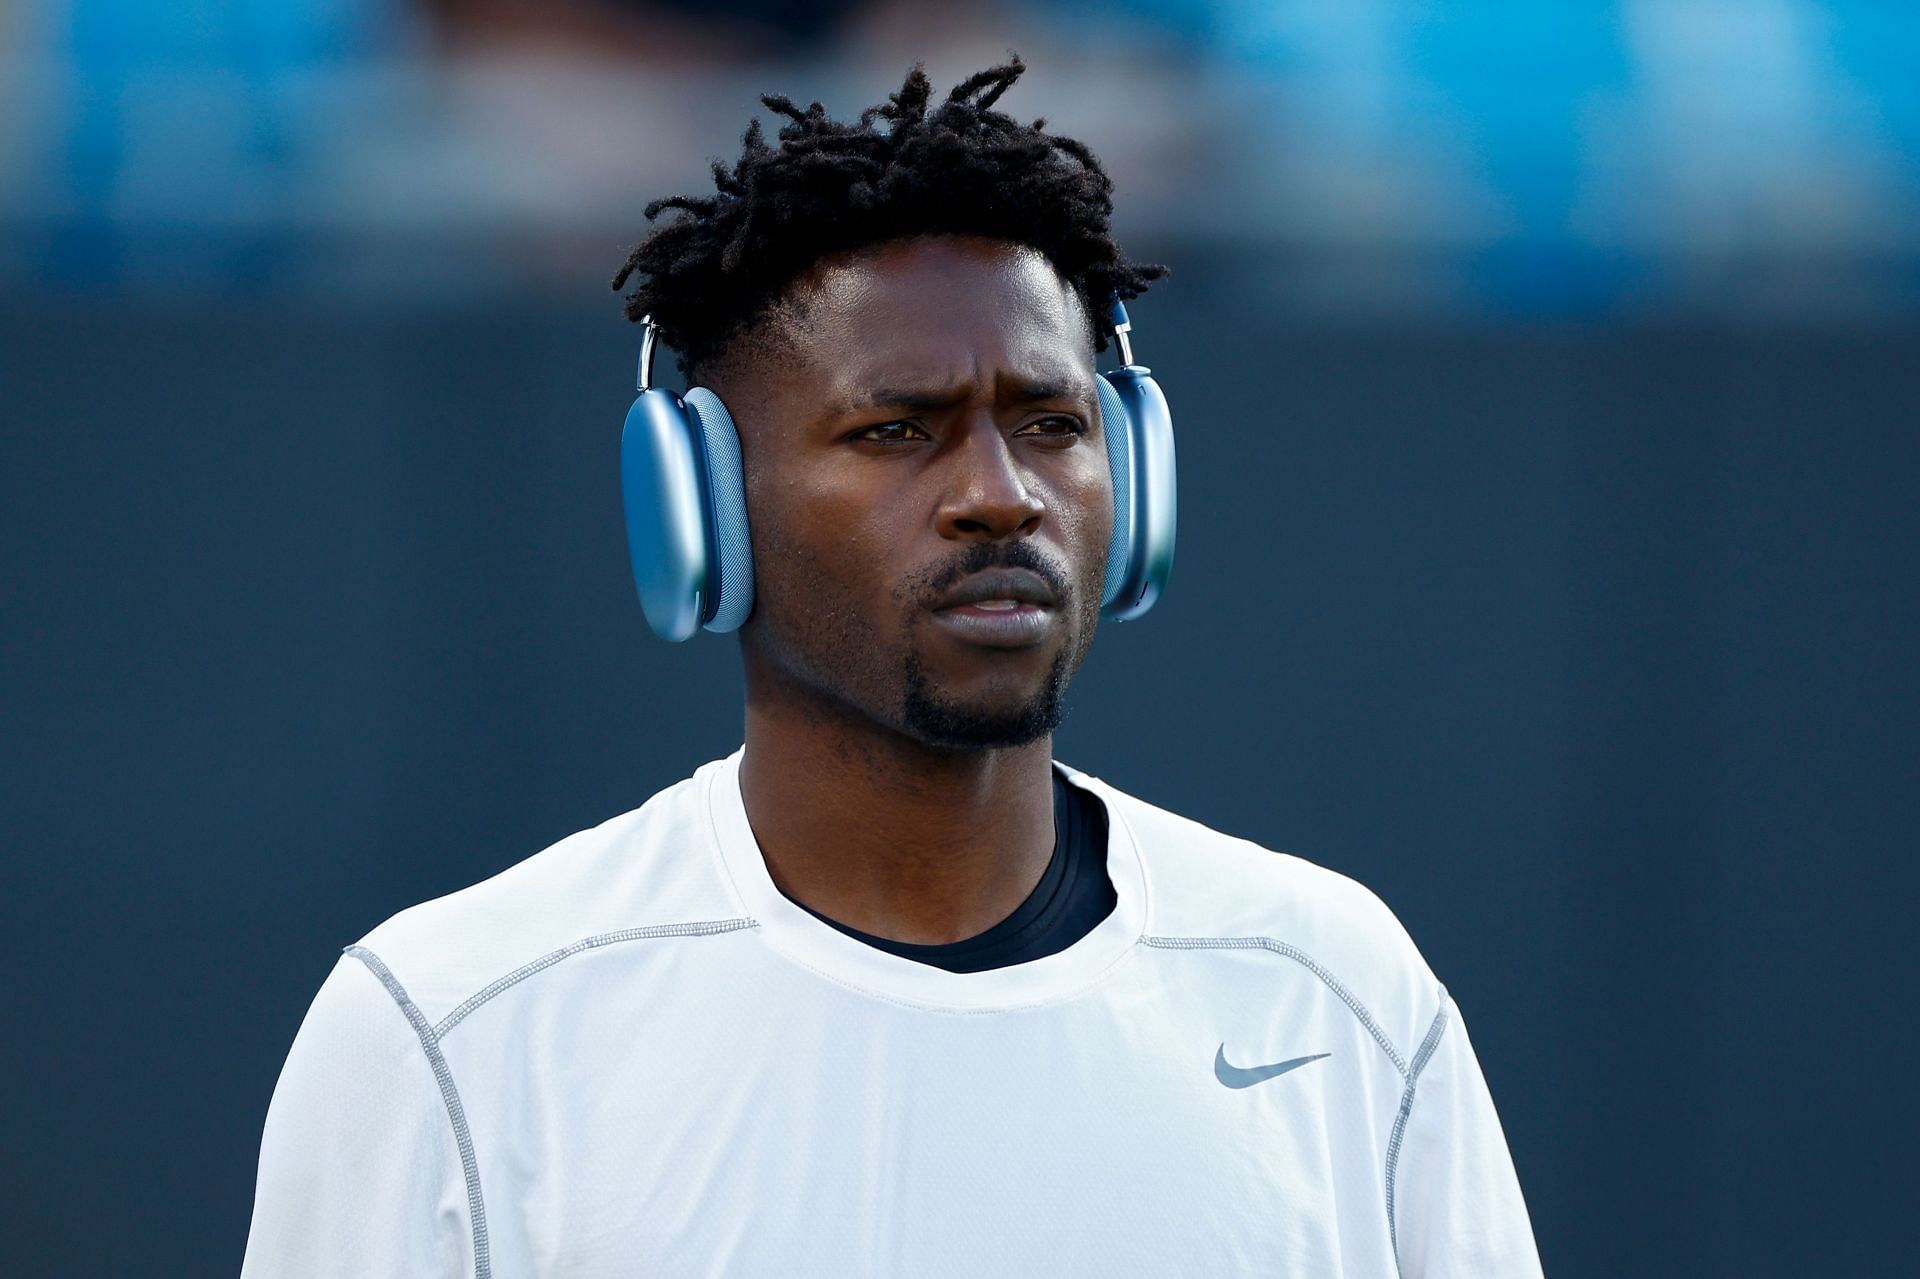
{"x":957,"y":168}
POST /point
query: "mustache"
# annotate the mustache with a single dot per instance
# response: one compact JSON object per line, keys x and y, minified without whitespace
{"x":985,"y":555}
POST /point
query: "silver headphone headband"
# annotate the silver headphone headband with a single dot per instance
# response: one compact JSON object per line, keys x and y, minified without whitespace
{"x":649,"y":331}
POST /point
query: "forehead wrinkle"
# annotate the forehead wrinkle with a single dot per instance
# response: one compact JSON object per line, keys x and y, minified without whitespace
{"x":873,"y":307}
{"x":907,"y":394}
{"x":930,"y":398}
{"x":1010,"y":387}
{"x":1018,"y":388}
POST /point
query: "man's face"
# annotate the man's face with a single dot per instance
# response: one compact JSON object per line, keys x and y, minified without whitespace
{"x":921,"y":421}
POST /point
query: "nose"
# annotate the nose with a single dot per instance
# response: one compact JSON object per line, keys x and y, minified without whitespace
{"x":987,"y":497}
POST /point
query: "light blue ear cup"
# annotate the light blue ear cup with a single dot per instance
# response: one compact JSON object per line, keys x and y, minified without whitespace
{"x":1118,"y":436}
{"x":686,"y":506}
{"x":733,"y":549}
{"x":1139,"y":433}
{"x":684,"y":490}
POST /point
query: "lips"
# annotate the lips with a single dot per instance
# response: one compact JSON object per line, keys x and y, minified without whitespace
{"x":1022,"y":586}
{"x":1015,"y":625}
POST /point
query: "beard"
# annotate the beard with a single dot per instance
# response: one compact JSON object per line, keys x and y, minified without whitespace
{"x":838,"y":655}
{"x":946,"y":722}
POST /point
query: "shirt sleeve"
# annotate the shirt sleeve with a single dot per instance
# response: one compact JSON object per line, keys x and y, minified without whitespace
{"x":360,"y":1171}
{"x":1451,"y":1188}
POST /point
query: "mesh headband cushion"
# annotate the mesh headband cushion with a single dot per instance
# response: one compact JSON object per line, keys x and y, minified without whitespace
{"x":1118,"y":433}
{"x":727,"y":484}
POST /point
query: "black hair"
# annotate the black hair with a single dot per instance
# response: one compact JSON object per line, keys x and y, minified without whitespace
{"x":902,"y":170}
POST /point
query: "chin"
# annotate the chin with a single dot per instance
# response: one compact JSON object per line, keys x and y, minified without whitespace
{"x":978,"y":724}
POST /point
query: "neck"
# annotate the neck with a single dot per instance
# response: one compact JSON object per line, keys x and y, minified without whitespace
{"x":887,"y":835}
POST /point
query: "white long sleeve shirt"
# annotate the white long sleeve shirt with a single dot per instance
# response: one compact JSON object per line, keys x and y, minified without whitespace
{"x":631,"y":1054}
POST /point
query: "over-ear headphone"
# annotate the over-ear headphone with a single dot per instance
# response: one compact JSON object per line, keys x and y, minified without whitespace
{"x":686,"y":502}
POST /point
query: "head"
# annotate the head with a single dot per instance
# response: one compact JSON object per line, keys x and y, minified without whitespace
{"x":900,"y":315}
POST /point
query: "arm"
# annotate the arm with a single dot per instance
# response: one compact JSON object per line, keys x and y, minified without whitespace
{"x":1452,"y":1193}
{"x":360,"y":1171}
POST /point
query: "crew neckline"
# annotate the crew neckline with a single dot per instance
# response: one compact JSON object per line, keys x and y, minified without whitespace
{"x":816,"y":945}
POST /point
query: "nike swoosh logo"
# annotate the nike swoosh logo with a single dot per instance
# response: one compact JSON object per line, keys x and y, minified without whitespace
{"x":1237,"y":1077}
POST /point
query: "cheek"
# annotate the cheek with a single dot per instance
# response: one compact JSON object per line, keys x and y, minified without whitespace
{"x":1090,"y":502}
{"x":812,"y":546}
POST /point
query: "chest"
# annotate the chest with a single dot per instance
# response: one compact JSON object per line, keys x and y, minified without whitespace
{"x":779,"y":1123}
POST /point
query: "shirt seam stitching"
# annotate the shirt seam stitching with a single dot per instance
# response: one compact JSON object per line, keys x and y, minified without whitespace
{"x":1312,"y":965}
{"x":1420,"y":1059}
{"x":450,"y":1095}
{"x":700,"y":928}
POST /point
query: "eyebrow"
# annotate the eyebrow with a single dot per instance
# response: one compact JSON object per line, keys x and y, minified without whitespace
{"x":924,"y":398}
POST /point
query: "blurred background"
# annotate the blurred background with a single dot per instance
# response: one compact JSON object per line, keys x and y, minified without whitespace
{"x":1546,"y":379}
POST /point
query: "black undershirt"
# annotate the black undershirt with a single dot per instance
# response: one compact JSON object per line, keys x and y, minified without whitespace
{"x":1073,"y":895}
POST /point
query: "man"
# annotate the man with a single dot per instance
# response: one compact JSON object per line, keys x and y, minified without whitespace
{"x":889,"y":991}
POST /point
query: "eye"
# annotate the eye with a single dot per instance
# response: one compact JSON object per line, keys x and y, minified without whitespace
{"x":893,"y":432}
{"x":1075,"y":428}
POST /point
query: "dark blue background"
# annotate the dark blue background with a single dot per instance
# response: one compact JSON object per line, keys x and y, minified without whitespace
{"x":1589,"y":646}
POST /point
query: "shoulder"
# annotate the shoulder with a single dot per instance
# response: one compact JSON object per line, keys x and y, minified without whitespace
{"x":1210,"y":890}
{"x":652,"y":868}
